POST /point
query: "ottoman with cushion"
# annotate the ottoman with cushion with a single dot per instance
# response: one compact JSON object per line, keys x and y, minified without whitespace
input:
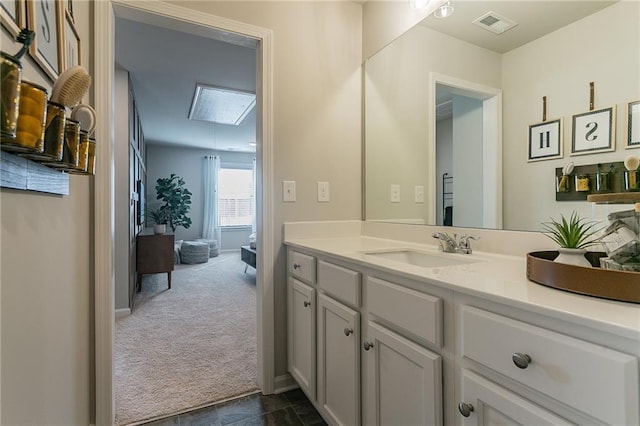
{"x":194,"y":252}
{"x":213,"y":246}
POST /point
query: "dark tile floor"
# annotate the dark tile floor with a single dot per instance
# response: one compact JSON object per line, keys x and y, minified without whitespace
{"x":289,"y":408}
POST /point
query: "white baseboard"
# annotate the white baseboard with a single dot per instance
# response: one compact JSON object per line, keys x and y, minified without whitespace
{"x":284,"y":383}
{"x":123,"y":312}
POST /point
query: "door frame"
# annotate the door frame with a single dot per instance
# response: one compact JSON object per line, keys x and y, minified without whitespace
{"x":156,"y":12}
{"x":491,"y":138}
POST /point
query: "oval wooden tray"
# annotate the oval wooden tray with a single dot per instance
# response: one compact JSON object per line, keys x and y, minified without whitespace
{"x":604,"y":283}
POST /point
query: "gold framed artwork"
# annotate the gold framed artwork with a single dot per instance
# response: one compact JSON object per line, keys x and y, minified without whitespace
{"x":633,"y":125}
{"x":12,"y":15}
{"x":44,"y":17}
{"x":71,"y":55}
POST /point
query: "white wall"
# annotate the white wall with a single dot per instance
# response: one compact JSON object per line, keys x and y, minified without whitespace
{"x":396,"y":114}
{"x":468,"y":191}
{"x":188,"y":163}
{"x":603,"y":48}
{"x":47,"y":305}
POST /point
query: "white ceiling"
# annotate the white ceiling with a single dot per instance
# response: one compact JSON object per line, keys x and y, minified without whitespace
{"x":165,"y":66}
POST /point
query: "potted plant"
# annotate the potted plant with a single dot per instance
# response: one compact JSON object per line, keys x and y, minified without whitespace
{"x":573,"y":236}
{"x":159,"y":219}
{"x":177,"y":201}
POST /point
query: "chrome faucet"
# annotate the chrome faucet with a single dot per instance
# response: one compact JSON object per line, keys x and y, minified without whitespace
{"x":449,"y":244}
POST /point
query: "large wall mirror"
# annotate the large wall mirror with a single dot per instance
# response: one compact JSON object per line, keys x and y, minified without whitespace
{"x":448,"y":106}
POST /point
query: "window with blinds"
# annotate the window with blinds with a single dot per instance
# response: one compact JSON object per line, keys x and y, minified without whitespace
{"x":235,"y":197}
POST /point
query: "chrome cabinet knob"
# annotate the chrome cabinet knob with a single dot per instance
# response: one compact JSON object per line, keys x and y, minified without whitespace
{"x":296,"y":266}
{"x":465,"y":409}
{"x":366,"y":345}
{"x":521,"y":360}
{"x":307,"y":304}
{"x":348,"y":331}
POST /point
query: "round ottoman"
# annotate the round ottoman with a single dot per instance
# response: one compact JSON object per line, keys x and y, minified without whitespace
{"x":213,"y":246}
{"x":194,"y":252}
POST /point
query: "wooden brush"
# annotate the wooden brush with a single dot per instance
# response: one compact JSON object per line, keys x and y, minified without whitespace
{"x":71,"y":86}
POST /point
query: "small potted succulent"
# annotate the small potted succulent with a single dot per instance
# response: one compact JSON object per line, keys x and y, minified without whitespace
{"x":160,"y":219}
{"x":573,"y":236}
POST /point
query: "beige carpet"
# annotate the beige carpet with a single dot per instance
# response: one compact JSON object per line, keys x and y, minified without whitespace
{"x":189,"y":346}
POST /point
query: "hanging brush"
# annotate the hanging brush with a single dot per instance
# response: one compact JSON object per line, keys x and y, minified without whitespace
{"x":71,"y":86}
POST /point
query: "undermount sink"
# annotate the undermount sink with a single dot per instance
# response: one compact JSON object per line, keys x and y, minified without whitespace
{"x":418,"y":258}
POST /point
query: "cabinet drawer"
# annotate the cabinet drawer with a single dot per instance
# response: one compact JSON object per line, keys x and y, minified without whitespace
{"x":415,"y":312}
{"x":302,"y":266}
{"x":340,"y":282}
{"x":593,"y":379}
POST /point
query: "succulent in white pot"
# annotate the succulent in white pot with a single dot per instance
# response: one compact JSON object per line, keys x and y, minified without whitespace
{"x":573,"y":236}
{"x":160,"y":219}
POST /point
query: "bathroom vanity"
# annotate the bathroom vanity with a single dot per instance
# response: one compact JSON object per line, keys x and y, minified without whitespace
{"x":374,"y":338}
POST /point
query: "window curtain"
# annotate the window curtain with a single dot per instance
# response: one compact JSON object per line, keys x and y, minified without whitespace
{"x":253,"y":199}
{"x":210,"y":222}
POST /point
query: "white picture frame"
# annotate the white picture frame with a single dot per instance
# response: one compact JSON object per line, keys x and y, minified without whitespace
{"x":44,"y":17}
{"x":594,"y":131}
{"x":633,"y":124}
{"x":545,"y":140}
{"x":12,"y":16}
{"x":72,"y":50}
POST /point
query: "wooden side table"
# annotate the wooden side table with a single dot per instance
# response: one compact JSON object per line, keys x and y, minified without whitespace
{"x":248,"y":256}
{"x":154,"y":254}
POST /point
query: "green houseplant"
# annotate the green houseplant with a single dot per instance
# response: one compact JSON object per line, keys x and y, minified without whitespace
{"x":573,"y":236}
{"x":159,"y":218}
{"x":177,"y":202}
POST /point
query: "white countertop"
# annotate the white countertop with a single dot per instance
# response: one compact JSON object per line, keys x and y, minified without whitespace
{"x":496,"y":277}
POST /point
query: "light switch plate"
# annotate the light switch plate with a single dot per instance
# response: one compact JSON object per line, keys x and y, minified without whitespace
{"x":289,"y":191}
{"x":323,"y":192}
{"x":419,"y":194}
{"x":395,"y":193}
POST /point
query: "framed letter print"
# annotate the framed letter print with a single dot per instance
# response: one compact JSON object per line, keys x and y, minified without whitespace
{"x":71,"y":43}
{"x":545,"y":140}
{"x":45,"y":19}
{"x":594,"y":131}
{"x":12,"y":15}
{"x":633,"y":123}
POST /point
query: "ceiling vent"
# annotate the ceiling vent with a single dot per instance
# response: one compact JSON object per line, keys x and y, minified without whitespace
{"x":495,"y":23}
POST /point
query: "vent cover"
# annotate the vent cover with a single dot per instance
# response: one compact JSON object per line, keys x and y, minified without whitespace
{"x":495,"y":23}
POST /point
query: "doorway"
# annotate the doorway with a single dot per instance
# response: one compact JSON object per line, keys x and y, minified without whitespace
{"x":465,"y":147}
{"x":176,"y":17}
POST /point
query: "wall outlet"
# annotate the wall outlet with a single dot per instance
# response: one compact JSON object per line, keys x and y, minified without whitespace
{"x":323,"y":192}
{"x":289,"y":191}
{"x":395,"y":193}
{"x":419,"y":194}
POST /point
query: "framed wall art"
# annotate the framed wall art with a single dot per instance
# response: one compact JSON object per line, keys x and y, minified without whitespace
{"x":545,"y":140}
{"x":12,"y":15}
{"x":44,"y":17}
{"x":593,"y":131}
{"x":633,"y":124}
{"x":71,"y":42}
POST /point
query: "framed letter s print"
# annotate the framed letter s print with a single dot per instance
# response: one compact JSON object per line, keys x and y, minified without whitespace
{"x":545,"y":140}
{"x":594,"y":131}
{"x":45,"y":19}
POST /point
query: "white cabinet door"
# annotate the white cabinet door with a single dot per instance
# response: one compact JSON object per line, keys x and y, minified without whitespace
{"x":485,"y":403}
{"x":338,"y":362}
{"x":406,"y":380}
{"x":302,"y":335}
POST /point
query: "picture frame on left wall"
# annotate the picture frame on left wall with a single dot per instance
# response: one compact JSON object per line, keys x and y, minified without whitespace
{"x":44,"y":17}
{"x":71,"y":56}
{"x":13,"y":16}
{"x":633,"y":124}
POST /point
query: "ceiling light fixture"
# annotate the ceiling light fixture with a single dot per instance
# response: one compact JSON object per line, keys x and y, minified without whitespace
{"x":444,"y":11}
{"x":221,"y":105}
{"x":418,"y":4}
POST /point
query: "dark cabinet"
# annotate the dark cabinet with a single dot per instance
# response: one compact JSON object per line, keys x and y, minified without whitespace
{"x":154,"y":254}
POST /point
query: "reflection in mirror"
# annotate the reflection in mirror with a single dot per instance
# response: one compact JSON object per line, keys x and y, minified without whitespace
{"x":555,"y":50}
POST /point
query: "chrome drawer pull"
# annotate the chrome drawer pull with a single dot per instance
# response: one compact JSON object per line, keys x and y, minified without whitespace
{"x":521,"y":360}
{"x":348,"y":331}
{"x":367,"y":346}
{"x":465,"y":409}
{"x":296,"y":266}
{"x":307,"y":304}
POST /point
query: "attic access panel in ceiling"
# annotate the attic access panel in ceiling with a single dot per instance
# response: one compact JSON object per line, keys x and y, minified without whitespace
{"x":221,"y":105}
